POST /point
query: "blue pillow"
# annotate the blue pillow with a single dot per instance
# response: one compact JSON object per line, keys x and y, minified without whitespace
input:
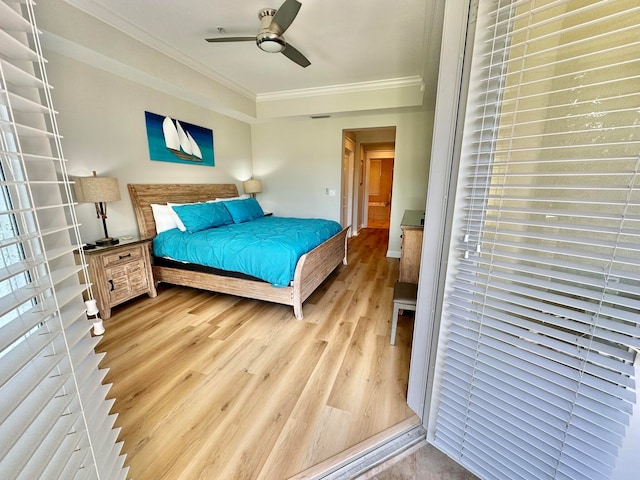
{"x":244,"y":210}
{"x":255,"y":210}
{"x":201,"y":216}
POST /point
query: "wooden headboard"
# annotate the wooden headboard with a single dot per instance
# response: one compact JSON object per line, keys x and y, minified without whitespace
{"x":143,"y":195}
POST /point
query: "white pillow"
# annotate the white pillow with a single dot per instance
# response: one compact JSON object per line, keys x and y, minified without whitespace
{"x":244,"y":196}
{"x":163,"y":216}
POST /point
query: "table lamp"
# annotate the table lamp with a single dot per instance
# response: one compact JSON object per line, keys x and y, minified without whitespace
{"x":99,"y":191}
{"x":252,"y":187}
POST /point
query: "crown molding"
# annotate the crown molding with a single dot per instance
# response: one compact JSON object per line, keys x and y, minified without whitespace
{"x":63,"y":46}
{"x":360,"y":87}
{"x":123,"y":25}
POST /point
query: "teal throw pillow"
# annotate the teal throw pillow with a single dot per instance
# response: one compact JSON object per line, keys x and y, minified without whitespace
{"x":238,"y":211}
{"x":201,"y":216}
{"x":255,"y":210}
{"x":244,"y":210}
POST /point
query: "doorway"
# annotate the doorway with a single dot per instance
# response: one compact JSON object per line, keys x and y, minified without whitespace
{"x":380,"y":184}
{"x":367,"y":177}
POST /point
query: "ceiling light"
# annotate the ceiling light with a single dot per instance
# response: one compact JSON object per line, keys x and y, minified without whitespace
{"x":270,"y":42}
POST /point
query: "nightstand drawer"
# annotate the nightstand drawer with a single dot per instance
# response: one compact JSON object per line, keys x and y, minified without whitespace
{"x":122,"y":256}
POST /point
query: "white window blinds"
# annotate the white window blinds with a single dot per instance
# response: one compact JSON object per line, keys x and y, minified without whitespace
{"x":541,"y":322}
{"x":54,"y":419}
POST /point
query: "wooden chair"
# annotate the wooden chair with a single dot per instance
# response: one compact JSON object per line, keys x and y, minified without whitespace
{"x":405,"y":296}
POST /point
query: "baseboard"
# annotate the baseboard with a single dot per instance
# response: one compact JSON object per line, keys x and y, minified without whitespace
{"x":393,"y":253}
{"x":368,"y":454}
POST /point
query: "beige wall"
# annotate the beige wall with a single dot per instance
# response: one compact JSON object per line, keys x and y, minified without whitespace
{"x":101,"y":117}
{"x":298,"y":159}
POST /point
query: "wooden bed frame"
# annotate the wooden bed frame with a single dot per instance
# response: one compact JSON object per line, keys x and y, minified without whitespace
{"x":311,"y":269}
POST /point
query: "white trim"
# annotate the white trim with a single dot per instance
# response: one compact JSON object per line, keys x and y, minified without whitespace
{"x":414,"y":81}
{"x":123,"y":25}
{"x":369,"y":454}
{"x":78,"y":52}
{"x":426,"y":323}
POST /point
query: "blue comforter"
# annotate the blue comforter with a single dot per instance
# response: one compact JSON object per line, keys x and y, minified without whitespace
{"x":267,"y":247}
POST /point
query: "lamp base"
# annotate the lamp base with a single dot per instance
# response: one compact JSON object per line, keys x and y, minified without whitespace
{"x":102,"y":242}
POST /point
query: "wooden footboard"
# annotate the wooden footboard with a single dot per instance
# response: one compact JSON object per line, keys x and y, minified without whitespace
{"x":315,"y":266}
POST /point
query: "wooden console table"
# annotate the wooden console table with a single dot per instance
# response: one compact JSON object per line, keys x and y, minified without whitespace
{"x":412,"y":226}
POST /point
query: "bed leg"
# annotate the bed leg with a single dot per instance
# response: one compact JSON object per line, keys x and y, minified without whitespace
{"x":297,"y":311}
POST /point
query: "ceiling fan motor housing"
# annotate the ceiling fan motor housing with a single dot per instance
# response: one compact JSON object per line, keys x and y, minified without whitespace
{"x":269,"y":39}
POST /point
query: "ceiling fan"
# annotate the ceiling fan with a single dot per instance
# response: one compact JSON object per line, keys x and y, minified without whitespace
{"x":273,"y":23}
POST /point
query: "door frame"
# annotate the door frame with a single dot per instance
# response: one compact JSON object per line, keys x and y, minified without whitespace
{"x":347,"y":193}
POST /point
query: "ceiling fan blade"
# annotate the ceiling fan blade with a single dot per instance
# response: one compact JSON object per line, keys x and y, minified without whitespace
{"x":293,"y":54}
{"x":285,"y":15}
{"x":230,"y":39}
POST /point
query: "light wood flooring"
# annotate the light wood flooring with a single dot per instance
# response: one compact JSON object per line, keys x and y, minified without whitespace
{"x":211,"y":386}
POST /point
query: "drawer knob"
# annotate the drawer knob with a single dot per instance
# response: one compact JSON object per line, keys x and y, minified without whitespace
{"x":111,"y":285}
{"x":124,"y":256}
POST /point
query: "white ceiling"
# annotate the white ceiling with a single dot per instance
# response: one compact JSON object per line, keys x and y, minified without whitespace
{"x":349,"y":42}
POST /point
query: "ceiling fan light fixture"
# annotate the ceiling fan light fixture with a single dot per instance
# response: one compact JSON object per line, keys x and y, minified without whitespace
{"x":270,"y":38}
{"x":270,"y":42}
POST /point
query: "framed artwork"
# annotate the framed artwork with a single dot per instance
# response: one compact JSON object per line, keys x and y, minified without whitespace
{"x":172,"y":140}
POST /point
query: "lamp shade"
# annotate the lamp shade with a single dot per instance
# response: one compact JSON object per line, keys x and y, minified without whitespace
{"x":97,"y":189}
{"x":252,"y":186}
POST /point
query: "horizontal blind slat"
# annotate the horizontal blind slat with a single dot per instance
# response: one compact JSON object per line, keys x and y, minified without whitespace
{"x":547,"y":296}
{"x":12,"y":20}
{"x":19,"y":77}
{"x":48,"y":427}
{"x":42,"y":312}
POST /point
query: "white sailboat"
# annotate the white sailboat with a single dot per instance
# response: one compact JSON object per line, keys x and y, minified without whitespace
{"x":179,"y":141}
{"x":195,"y":149}
{"x":171,"y":139}
{"x":185,"y":144}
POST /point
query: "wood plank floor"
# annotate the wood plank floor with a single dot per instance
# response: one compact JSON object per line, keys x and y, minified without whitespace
{"x":212,"y":386}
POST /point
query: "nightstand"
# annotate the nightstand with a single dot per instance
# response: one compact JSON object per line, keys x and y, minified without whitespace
{"x":120,"y":272}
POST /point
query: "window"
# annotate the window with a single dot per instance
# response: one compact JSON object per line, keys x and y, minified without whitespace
{"x":540,"y":324}
{"x":12,"y":257}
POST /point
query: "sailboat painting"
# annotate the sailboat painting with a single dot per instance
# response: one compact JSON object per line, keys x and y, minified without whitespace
{"x":172,"y":140}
